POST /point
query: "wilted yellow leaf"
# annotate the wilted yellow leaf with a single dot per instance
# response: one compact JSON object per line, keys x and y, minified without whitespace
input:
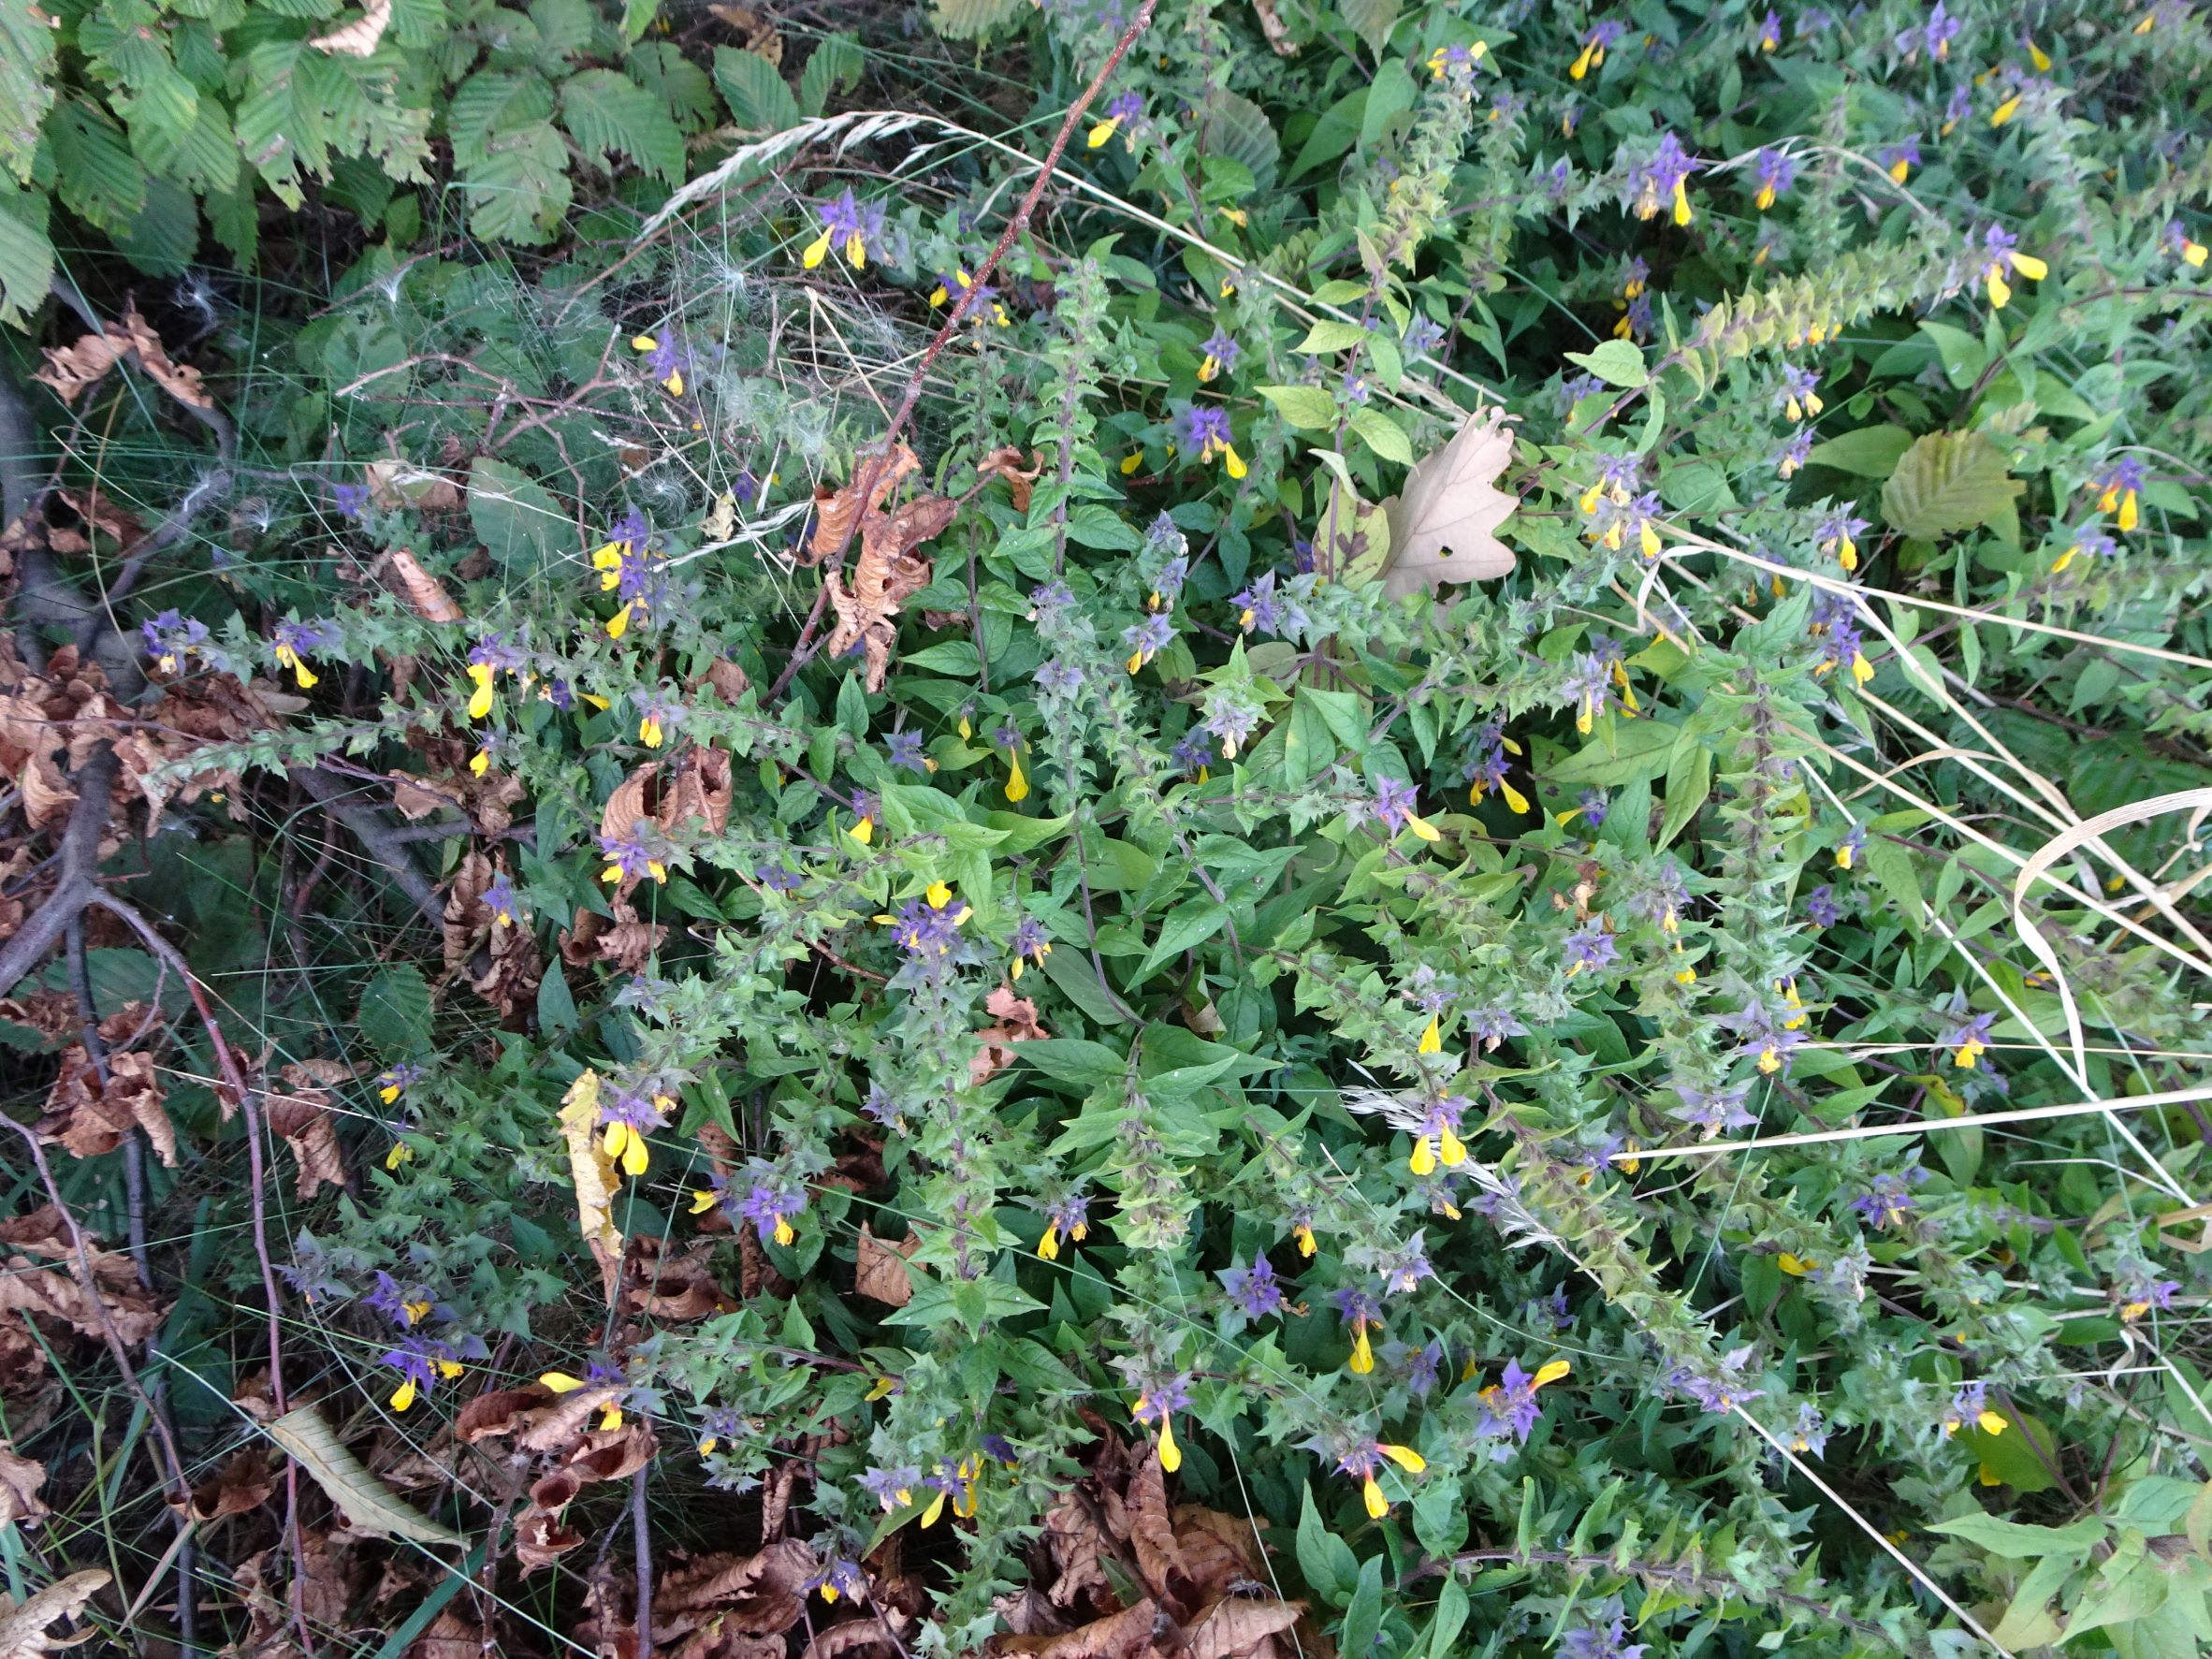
{"x":593,"y":1174}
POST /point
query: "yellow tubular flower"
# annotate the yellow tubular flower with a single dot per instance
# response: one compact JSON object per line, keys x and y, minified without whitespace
{"x":703,"y":1200}
{"x":1431,"y":1040}
{"x":1233,"y":463}
{"x":1795,"y":1266}
{"x":399,"y":1155}
{"x":480,"y":699}
{"x":1582,"y":65}
{"x":560,"y":1382}
{"x":1403,"y":1456}
{"x":287,"y":658}
{"x":1991,"y":1423}
{"x":619,"y":624}
{"x":1681,"y":203}
{"x":816,"y":252}
{"x":1378,"y":1506}
{"x":1362,"y":1359}
{"x":403,"y":1396}
{"x":1305,"y":1238}
{"x":936,"y":1508}
{"x":1049,"y":1246}
{"x":784,"y":1234}
{"x":1017,"y":786}
{"x":862,"y":830}
{"x":1423,"y":1161}
{"x":1549,"y":1372}
{"x":2040,"y":58}
{"x":1170,"y":1455}
{"x":1103,"y":132}
{"x":2005,"y":111}
{"x":649,"y":732}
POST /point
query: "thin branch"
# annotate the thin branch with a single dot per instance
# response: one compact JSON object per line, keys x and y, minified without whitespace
{"x":382,"y":841}
{"x":79,"y":858}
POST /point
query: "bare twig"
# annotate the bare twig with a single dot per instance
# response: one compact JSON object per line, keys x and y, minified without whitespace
{"x":79,"y":857}
{"x":382,"y":841}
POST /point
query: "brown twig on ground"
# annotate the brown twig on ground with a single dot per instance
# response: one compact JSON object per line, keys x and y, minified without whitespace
{"x":802,"y":652}
{"x":381,"y":838}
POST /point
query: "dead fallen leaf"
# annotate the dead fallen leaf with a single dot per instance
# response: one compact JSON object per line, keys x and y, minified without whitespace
{"x":304,"y":1119}
{"x":359,"y":38}
{"x":23,"y":1630}
{"x":1152,"y":1534}
{"x":89,"y":1117}
{"x":721,"y":519}
{"x":880,"y":1272}
{"x":700,"y":792}
{"x":837,"y":512}
{"x":1077,"y":1544}
{"x":70,"y":369}
{"x":1270,"y":24}
{"x":426,"y":596}
{"x":19,"y":1482}
{"x":594,"y":1176}
{"x":33,"y":1288}
{"x":1118,"y":1636}
{"x":755,"y":29}
{"x":368,"y":1507}
{"x":1237,"y":1628}
{"x":1016,"y":1022}
{"x":888,"y":573}
{"x":244,"y":1484}
{"x":1444,"y":524}
{"x":498,"y":1411}
{"x":759,"y":1595}
{"x":394,"y":484}
{"x":728,"y":679}
{"x":452,"y":1636}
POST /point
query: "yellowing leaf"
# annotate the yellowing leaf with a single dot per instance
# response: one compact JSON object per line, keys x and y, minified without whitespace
{"x":593,"y":1175}
{"x":1443,"y":525}
{"x":308,"y":1440}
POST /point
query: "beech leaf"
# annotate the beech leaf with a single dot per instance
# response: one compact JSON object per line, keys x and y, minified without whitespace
{"x":593,"y":1175}
{"x":1444,"y":524}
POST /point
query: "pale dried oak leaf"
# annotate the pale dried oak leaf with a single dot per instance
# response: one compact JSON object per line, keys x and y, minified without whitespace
{"x":1444,"y":524}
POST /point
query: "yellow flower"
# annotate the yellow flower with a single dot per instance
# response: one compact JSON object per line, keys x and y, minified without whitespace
{"x":1017,"y":786}
{"x":480,"y":699}
{"x":1131,"y":461}
{"x":1991,"y":1423}
{"x":560,"y":1382}
{"x":817,"y":250}
{"x":1170,"y":1455}
{"x":288,"y":657}
{"x":1362,"y":1359}
{"x":622,"y":1143}
{"x":703,"y":1200}
{"x":2005,"y":111}
{"x":1795,"y":1266}
{"x":1681,"y":203}
{"x":403,"y":1396}
{"x":1304,"y":1236}
{"x":619,"y":624}
{"x":1549,"y":1372}
{"x":2040,"y":58}
{"x":649,"y":731}
{"x":1431,"y":1040}
{"x":1049,"y":1246}
{"x":1103,"y":132}
{"x":399,"y":1155}
{"x":1378,"y":1506}
{"x":1405,"y":1457}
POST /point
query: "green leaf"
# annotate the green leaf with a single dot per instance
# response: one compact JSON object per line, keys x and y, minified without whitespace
{"x":682,"y":86}
{"x":1383,"y":435}
{"x":835,"y":64}
{"x":1891,"y":865}
{"x":755,"y":91}
{"x":1328,"y":335}
{"x":1331,"y":1570}
{"x":1363,"y":1618}
{"x":1871,"y":452}
{"x":1947,"y":482}
{"x":1192,"y":925}
{"x":1370,"y":20}
{"x":369,"y":1505}
{"x":1617,"y":363}
{"x":1451,"y":1618}
{"x":514,"y":516}
{"x":606,"y":111}
{"x":95,"y":174}
{"x":970,"y":20}
{"x":164,"y":233}
{"x":1624,"y":753}
{"x":1688,"y":784}
{"x":26,"y":84}
{"x":394,"y":1015}
{"x":1233,"y":125}
{"x":26,"y":257}
{"x":1304,"y":406}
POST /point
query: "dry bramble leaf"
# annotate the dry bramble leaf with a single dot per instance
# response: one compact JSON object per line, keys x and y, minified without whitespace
{"x":23,"y":1630}
{"x":89,"y":1117}
{"x":754,"y":1595}
{"x":1270,"y":24}
{"x":888,"y":573}
{"x":1118,"y":1636}
{"x":880,"y":1273}
{"x":359,"y":38}
{"x":19,"y":1482}
{"x":1006,"y":463}
{"x":837,"y":511}
{"x":70,"y":369}
{"x":1444,"y":524}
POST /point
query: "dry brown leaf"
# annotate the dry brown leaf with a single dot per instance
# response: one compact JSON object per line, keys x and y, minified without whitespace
{"x":728,"y":679}
{"x":1016,"y":1022}
{"x":89,"y":1118}
{"x":417,"y":802}
{"x":19,"y":1482}
{"x":394,"y":484}
{"x":1118,"y":1636}
{"x":699,"y":793}
{"x":631,"y":943}
{"x":359,"y":38}
{"x":755,"y":29}
{"x":1006,"y":463}
{"x":426,"y":596}
{"x":310,"y":1443}
{"x":1237,"y":1627}
{"x":854,"y":1634}
{"x":1152,"y":1534}
{"x":53,"y":1292}
{"x":244,"y":1484}
{"x":303,"y":1118}
{"x":70,"y":369}
{"x":1217,"y":1549}
{"x":452,"y":1636}
{"x":498,"y":1411}
{"x":759,"y":1595}
{"x":880,"y":1272}
{"x":837,"y":512}
{"x":1077,"y":1544}
{"x":594,"y":1176}
{"x":23,"y":1630}
{"x":680,"y":1287}
{"x":1270,"y":24}
{"x":1444,"y":524}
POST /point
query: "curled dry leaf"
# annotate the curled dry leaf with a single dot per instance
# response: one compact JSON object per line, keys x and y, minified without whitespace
{"x":1270,"y":24}
{"x":1073,"y":1531}
{"x":1144,"y":1520}
{"x":728,"y":679}
{"x":1006,"y":463}
{"x":1118,"y":1636}
{"x":1241,"y":1627}
{"x":837,"y":512}
{"x":359,"y":38}
{"x":879,"y":1273}
{"x":699,"y":793}
{"x":679,"y":1287}
{"x":302,"y":1116}
{"x":89,"y":1117}
{"x":244,"y":1484}
{"x":30,"y":1287}
{"x":19,"y":1482}
{"x":426,"y":596}
{"x":593,"y":1175}
{"x":452,"y":1636}
{"x":1015,"y":1022}
{"x":1444,"y":524}
{"x":71,"y":370}
{"x":888,"y":575}
{"x":24,"y":1631}
{"x":754,"y":1595}
{"x":497,"y":1412}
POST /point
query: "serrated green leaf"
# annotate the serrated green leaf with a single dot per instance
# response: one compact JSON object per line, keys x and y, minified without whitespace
{"x":520,"y":192}
{"x":1233,"y":125}
{"x":514,"y":516}
{"x":26,"y":84}
{"x":1370,"y":20}
{"x":164,"y":233}
{"x":682,"y":86}
{"x":1330,"y":335}
{"x":971,"y":19}
{"x":26,"y":258}
{"x":756,"y":93}
{"x":368,"y":1504}
{"x":605,"y":113}
{"x":394,"y":1015}
{"x":95,"y":174}
{"x":835,"y":64}
{"x":1948,"y":482}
